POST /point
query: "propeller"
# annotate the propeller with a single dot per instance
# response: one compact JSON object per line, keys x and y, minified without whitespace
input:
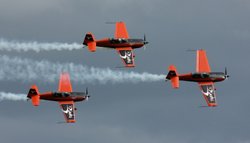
{"x":145,"y":41}
{"x":87,"y":94}
{"x":87,"y":98}
{"x":226,"y":75}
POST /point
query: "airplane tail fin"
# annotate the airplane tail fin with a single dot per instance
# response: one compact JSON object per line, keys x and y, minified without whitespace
{"x":34,"y":95}
{"x":173,"y":76}
{"x":89,"y":40}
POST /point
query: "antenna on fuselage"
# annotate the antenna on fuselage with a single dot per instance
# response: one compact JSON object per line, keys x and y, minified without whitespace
{"x":192,"y":50}
{"x":110,"y":22}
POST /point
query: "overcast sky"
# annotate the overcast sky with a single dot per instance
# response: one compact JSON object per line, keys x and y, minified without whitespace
{"x":133,"y":112}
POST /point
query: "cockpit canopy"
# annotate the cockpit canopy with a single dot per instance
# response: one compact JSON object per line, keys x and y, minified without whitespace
{"x":118,"y":40}
{"x":123,"y":40}
{"x":67,"y":94}
{"x":200,"y":75}
{"x":209,"y":75}
{"x":61,"y":94}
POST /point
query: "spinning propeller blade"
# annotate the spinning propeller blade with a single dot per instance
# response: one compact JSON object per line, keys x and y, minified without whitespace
{"x":144,"y":41}
{"x":226,"y":75}
{"x":87,"y":92}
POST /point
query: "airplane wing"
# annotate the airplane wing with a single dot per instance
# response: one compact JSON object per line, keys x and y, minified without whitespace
{"x":127,"y":56}
{"x":121,"y":30}
{"x":202,"y":64}
{"x":208,"y":91}
{"x":64,"y":83}
{"x":68,"y":109}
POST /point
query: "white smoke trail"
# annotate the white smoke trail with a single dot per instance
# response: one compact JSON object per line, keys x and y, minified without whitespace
{"x":12,"y":96}
{"x":6,"y":45}
{"x":14,"y":69}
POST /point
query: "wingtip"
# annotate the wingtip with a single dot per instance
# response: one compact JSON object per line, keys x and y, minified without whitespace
{"x":212,"y":105}
{"x":71,"y":121}
{"x":129,"y":67}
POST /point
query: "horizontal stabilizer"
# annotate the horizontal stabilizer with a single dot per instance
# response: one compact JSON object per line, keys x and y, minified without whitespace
{"x":89,"y":40}
{"x":173,"y":76}
{"x":35,"y":100}
{"x":34,"y":95}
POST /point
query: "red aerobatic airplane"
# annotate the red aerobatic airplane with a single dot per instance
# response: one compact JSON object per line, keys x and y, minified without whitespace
{"x":65,"y":96}
{"x":121,"y":42}
{"x":203,"y":76}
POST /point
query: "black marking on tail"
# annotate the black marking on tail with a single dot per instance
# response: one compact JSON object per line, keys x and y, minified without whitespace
{"x":89,"y":37}
{"x":171,"y":74}
{"x":32,"y":92}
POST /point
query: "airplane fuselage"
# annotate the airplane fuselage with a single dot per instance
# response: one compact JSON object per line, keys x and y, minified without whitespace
{"x":203,"y":77}
{"x":63,"y":96}
{"x":120,"y":42}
